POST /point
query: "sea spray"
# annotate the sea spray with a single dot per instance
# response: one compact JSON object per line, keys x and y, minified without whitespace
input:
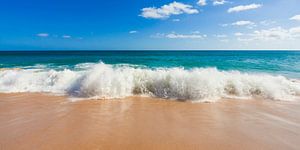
{"x":102,"y":81}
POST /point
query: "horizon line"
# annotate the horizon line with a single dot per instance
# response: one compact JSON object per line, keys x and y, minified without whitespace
{"x":2,"y":50}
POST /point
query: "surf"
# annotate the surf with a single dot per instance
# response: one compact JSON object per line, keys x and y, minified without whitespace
{"x":104,"y":81}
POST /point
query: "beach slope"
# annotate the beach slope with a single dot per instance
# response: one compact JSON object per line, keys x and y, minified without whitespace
{"x":39,"y":121}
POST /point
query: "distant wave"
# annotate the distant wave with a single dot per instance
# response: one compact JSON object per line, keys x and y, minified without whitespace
{"x":102,"y":81}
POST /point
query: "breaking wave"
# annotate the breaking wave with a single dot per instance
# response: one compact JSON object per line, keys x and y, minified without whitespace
{"x":102,"y":81}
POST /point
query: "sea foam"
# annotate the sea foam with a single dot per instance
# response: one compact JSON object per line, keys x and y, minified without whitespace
{"x":102,"y":81}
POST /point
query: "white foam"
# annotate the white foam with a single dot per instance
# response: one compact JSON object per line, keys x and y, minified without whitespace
{"x":106,"y":81}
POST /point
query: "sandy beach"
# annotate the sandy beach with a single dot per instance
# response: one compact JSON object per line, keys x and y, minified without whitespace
{"x":40,"y":121}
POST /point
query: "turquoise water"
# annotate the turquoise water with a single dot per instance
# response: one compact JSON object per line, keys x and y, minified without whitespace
{"x":286,"y":63}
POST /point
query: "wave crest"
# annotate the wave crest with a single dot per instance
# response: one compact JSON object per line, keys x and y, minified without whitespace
{"x":104,"y":81}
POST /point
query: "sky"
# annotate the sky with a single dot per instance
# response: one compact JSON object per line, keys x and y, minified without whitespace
{"x":149,"y":24}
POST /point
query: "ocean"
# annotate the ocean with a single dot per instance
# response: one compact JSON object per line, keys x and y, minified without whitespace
{"x":181,"y":75}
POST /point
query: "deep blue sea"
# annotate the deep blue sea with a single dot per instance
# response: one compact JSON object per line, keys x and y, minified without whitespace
{"x":195,"y":75}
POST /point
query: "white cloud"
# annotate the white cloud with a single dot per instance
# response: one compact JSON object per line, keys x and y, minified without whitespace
{"x":296,"y":17}
{"x":201,"y":2}
{"x":277,"y":33}
{"x":196,"y":32}
{"x":267,"y":22}
{"x":158,"y":35}
{"x":133,"y":32}
{"x":295,"y":32}
{"x":248,"y":24}
{"x":238,"y":34}
{"x":224,"y":40}
{"x":244,"y":39}
{"x":219,"y":2}
{"x":176,"y":20}
{"x":221,"y":36}
{"x":185,"y":36}
{"x":224,"y":25}
{"x":244,"y":8}
{"x":43,"y":34}
{"x":173,"y":35}
{"x":66,"y":36}
{"x":165,"y":11}
{"x":243,"y":23}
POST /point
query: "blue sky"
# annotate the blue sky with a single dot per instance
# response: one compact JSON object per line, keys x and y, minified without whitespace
{"x":149,"y":24}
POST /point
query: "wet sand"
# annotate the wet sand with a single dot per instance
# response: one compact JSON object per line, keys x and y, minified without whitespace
{"x":39,"y":121}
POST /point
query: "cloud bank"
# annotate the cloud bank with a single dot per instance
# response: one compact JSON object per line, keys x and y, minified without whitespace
{"x":296,"y":18}
{"x":277,"y":33}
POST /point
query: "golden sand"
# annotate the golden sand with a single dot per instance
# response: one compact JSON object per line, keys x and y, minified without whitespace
{"x":38,"y":121}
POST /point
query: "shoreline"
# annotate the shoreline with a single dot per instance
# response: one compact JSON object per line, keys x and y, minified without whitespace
{"x":41,"y":121}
